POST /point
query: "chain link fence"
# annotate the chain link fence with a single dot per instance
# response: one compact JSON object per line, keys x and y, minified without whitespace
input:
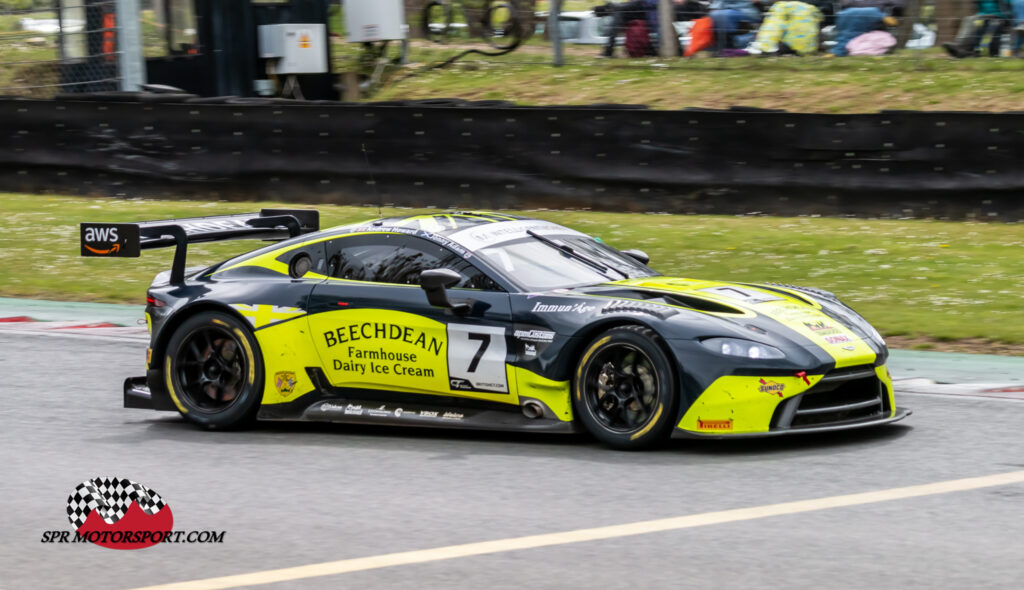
{"x":588,"y":29}
{"x":49,"y":47}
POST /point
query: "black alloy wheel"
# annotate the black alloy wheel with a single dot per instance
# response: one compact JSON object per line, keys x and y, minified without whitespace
{"x":212,"y":371}
{"x":625,"y":392}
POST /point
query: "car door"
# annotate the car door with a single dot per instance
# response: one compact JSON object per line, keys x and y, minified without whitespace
{"x":374,"y":330}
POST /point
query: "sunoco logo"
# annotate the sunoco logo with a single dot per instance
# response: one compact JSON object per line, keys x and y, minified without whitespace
{"x":122,"y":514}
{"x":771,"y":387}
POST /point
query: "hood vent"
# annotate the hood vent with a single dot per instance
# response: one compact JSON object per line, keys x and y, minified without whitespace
{"x":678,"y":299}
{"x":801,"y":292}
{"x":700,"y":304}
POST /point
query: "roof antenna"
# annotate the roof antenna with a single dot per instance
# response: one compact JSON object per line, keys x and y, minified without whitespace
{"x":369,"y":169}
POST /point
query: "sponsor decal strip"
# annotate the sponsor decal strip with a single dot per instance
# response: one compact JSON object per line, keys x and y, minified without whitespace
{"x":339,"y":408}
{"x":359,"y":564}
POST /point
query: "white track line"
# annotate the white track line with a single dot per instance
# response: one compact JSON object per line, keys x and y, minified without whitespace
{"x":122,"y":338}
{"x":358,"y":564}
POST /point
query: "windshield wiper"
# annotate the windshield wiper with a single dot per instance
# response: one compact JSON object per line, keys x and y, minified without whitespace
{"x":574,"y":254}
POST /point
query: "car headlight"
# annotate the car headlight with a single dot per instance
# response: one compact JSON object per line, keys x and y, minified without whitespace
{"x":742,"y":348}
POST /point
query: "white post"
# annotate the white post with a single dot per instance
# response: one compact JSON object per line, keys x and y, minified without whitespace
{"x":131,"y":63}
{"x":666,"y":32}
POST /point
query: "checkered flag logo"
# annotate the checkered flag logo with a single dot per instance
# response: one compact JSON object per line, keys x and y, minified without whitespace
{"x":112,"y":496}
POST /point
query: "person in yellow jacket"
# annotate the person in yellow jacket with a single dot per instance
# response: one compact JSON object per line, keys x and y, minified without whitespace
{"x":789,"y":27}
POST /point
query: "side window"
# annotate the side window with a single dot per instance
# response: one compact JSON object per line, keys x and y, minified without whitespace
{"x":397,"y":258}
{"x":472,"y":277}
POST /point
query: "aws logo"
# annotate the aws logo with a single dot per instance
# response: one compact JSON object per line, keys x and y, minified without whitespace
{"x":101,"y":234}
{"x":110,"y":239}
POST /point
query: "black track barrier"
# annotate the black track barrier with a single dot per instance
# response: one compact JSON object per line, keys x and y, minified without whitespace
{"x":491,"y":154}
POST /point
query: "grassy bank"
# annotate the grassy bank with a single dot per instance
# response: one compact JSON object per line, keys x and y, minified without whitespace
{"x":916,"y":278}
{"x":925,"y":80}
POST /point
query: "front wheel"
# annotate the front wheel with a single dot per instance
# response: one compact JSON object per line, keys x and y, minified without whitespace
{"x":625,"y":388}
{"x":212,"y":371}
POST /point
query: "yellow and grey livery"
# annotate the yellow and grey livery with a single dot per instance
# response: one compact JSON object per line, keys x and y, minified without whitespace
{"x":483,"y":320}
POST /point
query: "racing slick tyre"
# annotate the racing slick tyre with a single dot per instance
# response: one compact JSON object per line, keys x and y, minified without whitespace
{"x":625,"y":389}
{"x":212,"y":371}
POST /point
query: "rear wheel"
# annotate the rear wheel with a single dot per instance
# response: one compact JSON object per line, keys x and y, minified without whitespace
{"x":625,"y":389}
{"x":212,"y":371}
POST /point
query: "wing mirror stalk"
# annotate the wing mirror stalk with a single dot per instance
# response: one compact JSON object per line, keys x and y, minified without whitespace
{"x":436,"y":282}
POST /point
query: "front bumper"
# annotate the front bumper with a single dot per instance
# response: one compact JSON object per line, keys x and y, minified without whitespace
{"x":900,"y":414}
{"x":840,"y":399}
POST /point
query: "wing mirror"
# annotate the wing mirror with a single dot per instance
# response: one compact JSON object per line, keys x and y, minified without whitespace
{"x":638,"y":255}
{"x":436,"y":282}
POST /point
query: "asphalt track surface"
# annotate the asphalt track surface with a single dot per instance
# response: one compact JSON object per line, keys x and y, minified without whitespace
{"x":292,"y":495}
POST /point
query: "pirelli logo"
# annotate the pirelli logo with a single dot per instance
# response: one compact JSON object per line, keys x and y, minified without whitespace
{"x":714,"y":424}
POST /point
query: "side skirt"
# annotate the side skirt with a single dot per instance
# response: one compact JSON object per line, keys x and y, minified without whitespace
{"x":354,"y":411}
{"x":360,"y":406}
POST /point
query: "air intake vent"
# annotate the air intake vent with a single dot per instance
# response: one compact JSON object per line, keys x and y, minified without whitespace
{"x":701,"y":304}
{"x":842,"y":396}
{"x":680,"y":300}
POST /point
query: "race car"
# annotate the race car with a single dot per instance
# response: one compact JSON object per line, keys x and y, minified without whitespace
{"x":490,"y":321}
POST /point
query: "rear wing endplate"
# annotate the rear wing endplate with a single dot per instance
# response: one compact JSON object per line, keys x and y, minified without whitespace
{"x":127,"y":240}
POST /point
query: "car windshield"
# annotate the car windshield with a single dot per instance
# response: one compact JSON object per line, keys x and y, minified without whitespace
{"x":533,"y":265}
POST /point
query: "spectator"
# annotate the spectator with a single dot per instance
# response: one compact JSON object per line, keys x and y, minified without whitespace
{"x":735,"y":22}
{"x":622,"y":14}
{"x":790,"y":27}
{"x":828,"y":11}
{"x":889,"y":7}
{"x":1018,"y":25}
{"x":687,"y":10}
{"x":857,"y":17}
{"x":993,"y":16}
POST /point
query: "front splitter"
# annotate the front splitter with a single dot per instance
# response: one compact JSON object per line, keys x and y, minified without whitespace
{"x":900,"y":414}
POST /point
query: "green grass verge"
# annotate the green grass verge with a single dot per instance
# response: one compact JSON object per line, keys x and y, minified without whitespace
{"x":913,"y":80}
{"x":942,"y":280}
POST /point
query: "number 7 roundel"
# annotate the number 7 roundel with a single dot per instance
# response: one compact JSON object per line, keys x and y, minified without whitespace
{"x":476,"y":358}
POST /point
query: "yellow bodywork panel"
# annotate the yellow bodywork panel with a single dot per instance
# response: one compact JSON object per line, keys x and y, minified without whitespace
{"x":848,"y":349}
{"x":553,"y":394}
{"x":735,"y":404}
{"x":409,"y":353}
{"x":287,"y":351}
{"x":886,"y":379}
{"x":262,"y":315}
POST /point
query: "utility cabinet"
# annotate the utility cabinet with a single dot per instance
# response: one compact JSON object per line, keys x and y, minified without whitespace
{"x":367,"y":21}
{"x":298,"y":48}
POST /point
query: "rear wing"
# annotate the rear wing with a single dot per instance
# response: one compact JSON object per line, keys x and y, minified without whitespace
{"x":127,"y":240}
